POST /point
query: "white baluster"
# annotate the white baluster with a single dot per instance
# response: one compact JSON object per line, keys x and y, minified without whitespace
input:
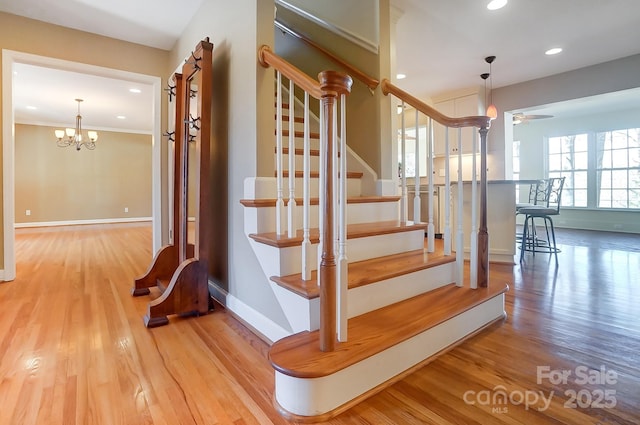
{"x":306,"y":170}
{"x":416,"y":160}
{"x":460,"y":234}
{"x":431,"y":229}
{"x":291,"y":210}
{"x":473,"y":238}
{"x":280,"y":224}
{"x":404,"y":213}
{"x":342,"y":287}
{"x":447,"y":194}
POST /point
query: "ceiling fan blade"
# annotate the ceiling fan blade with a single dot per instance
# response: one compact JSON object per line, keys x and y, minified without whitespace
{"x":536,"y":117}
{"x":523,"y":118}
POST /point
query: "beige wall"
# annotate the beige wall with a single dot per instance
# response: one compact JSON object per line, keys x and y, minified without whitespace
{"x":35,"y":37}
{"x":62,"y":184}
{"x":242,"y":137}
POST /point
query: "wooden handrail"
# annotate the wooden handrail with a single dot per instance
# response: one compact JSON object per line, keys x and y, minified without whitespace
{"x":473,"y":121}
{"x":370,"y":82}
{"x":268,"y":58}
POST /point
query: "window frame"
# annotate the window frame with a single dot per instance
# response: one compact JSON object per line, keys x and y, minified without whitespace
{"x":592,"y":187}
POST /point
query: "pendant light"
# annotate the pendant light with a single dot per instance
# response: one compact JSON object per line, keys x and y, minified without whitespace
{"x":492,"y":111}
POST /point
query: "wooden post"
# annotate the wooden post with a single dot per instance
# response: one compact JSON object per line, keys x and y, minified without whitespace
{"x":332,"y":84}
{"x":483,"y":235}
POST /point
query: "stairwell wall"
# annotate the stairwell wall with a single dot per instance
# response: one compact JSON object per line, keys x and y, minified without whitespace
{"x":368,"y":114}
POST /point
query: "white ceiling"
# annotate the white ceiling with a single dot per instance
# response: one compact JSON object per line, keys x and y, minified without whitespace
{"x":458,"y":34}
{"x":441,"y":47}
{"x":46,"y":96}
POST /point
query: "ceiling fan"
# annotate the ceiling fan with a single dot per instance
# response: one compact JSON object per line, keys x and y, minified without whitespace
{"x":520,"y":118}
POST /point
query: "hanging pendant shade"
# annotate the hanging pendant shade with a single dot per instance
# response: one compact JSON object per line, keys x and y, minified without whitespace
{"x":492,"y":112}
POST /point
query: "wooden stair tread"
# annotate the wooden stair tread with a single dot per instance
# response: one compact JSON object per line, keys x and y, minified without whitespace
{"x":369,"y":271}
{"x":287,"y":118}
{"x":356,"y":230}
{"x":312,"y":135}
{"x":271,"y":202}
{"x":298,"y":151}
{"x":299,"y":355}
{"x":316,"y":174}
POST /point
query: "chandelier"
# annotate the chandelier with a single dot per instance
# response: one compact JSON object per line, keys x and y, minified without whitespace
{"x":74,"y":135}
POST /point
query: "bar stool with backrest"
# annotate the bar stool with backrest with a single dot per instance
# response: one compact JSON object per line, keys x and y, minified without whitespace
{"x":530,"y":242}
{"x":537,"y":196}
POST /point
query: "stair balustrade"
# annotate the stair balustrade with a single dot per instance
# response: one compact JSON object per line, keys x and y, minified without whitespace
{"x":330,"y":90}
{"x":479,"y":239}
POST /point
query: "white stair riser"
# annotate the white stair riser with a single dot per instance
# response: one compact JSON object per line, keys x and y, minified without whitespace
{"x":298,"y":143}
{"x":354,"y":188}
{"x":266,"y":187}
{"x":285,"y":261}
{"x":314,"y":162}
{"x":263,"y":219}
{"x":371,"y":297}
{"x":303,"y":314}
{"x":316,"y":396}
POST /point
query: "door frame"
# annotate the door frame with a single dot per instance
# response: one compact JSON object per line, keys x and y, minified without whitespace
{"x":9,"y":58}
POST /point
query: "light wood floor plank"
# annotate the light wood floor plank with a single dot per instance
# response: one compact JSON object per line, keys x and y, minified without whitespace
{"x":74,"y":350}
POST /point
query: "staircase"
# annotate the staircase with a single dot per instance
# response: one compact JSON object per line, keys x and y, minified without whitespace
{"x":403,"y":303}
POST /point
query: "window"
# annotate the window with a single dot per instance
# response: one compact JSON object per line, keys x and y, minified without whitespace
{"x":410,"y":150}
{"x":568,"y":157}
{"x":601,"y":170}
{"x":618,"y":167}
{"x":516,"y":160}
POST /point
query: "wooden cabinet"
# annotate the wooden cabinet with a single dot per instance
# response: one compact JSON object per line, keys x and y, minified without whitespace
{"x":469,"y":105}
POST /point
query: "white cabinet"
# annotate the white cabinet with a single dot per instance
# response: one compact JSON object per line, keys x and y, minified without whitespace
{"x":463,"y":106}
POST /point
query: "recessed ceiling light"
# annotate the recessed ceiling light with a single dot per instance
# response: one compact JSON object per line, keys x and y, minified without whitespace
{"x":33,"y":108}
{"x":135,"y":90}
{"x":553,"y":51}
{"x":496,"y":4}
{"x":121,"y":117}
{"x":401,"y":76}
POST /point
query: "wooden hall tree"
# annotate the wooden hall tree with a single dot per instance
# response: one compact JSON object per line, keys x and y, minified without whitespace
{"x":180,"y":270}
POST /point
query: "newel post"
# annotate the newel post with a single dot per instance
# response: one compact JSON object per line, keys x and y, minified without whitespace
{"x":483,"y":235}
{"x":332,"y":85}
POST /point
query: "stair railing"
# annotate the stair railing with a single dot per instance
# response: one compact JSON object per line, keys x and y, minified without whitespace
{"x":330,"y":89}
{"x":479,"y":256}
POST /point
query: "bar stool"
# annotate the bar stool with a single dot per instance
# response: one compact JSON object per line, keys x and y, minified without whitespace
{"x":537,"y":196}
{"x":530,"y":241}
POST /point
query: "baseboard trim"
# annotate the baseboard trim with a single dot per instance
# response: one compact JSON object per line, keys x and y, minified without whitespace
{"x":82,"y":222}
{"x":256,"y":321}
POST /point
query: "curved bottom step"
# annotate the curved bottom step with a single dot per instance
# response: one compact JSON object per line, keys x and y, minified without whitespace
{"x":384,"y":345}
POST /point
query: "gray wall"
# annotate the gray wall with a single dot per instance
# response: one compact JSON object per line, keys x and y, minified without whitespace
{"x":617,"y":75}
{"x":242,"y":127}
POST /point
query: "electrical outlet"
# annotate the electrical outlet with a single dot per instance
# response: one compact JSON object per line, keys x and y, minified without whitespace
{"x":126,"y":209}
{"x":27,"y":212}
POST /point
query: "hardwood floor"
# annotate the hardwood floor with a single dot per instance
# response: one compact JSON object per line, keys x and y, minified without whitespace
{"x":73,"y":348}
